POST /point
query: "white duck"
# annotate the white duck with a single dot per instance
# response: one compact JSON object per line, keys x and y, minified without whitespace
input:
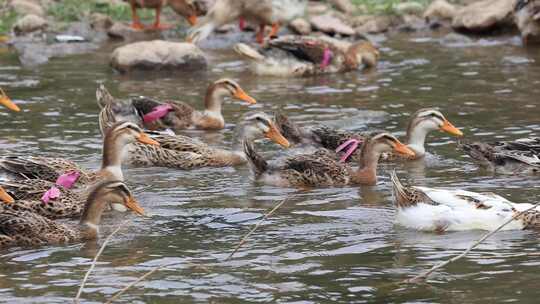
{"x":431,"y":209}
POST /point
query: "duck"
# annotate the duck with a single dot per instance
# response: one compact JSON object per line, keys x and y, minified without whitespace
{"x":190,"y":9}
{"x":294,"y":55}
{"x":421,"y":123}
{"x":440,"y":210}
{"x":263,"y":13}
{"x":7,"y":102}
{"x":50,"y":169}
{"x":521,"y":156}
{"x":175,"y":115}
{"x":321,"y":169}
{"x":182,"y":152}
{"x":527,"y":19}
{"x":24,"y":228}
{"x":29,"y":195}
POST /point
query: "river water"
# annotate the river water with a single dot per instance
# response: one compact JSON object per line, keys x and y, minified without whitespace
{"x":323,"y":245}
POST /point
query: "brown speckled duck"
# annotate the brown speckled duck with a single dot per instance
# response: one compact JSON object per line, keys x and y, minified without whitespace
{"x":308,"y":55}
{"x":25,"y":228}
{"x":321,"y":169}
{"x":422,"y":122}
{"x":177,"y":115}
{"x":521,"y":156}
{"x":182,"y":152}
{"x":114,"y":148}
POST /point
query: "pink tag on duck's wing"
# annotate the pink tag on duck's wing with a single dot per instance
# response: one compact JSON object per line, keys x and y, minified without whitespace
{"x":67,"y":180}
{"x":353,"y":143}
{"x":50,"y":194}
{"x":327,"y":56}
{"x":157,"y":113}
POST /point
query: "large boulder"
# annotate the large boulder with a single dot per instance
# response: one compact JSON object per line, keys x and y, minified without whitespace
{"x":300,"y":26}
{"x":158,"y":55}
{"x":440,"y":10}
{"x":484,"y":16}
{"x":29,"y":24}
{"x":344,"y":6}
{"x":331,"y":25}
{"x":527,"y":18}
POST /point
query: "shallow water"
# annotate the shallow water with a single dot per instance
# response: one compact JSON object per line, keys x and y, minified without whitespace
{"x":323,"y":245}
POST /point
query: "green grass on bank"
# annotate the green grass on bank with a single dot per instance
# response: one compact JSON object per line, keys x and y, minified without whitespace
{"x":74,"y":10}
{"x":7,"y":19}
{"x":385,"y":6}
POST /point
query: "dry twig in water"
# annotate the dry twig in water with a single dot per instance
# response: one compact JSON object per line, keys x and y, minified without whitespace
{"x":244,"y":239}
{"x":93,"y":265}
{"x":423,"y":276}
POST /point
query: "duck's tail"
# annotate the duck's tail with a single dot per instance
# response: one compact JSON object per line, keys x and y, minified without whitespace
{"x":248,"y":52}
{"x":256,"y":162}
{"x":289,"y":129}
{"x":401,"y":199}
{"x":103,"y":97}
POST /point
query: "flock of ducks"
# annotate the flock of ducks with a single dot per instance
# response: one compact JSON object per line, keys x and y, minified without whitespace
{"x":36,"y":191}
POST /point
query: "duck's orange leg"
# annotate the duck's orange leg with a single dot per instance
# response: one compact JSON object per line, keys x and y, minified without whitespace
{"x":260,"y":34}
{"x":136,"y":22}
{"x":157,"y":24}
{"x":275,"y":30}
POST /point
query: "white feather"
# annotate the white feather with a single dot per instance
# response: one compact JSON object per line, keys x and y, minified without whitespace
{"x":457,"y":211}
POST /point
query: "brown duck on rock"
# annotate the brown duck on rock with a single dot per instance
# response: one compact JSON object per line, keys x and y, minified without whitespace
{"x":190,"y":9}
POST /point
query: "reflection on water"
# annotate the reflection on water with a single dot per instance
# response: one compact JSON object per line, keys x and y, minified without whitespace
{"x":324,"y":244}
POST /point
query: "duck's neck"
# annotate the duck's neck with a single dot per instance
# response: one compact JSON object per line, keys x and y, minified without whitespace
{"x":237,"y":143}
{"x":367,"y":170}
{"x":213,"y":99}
{"x":113,"y":154}
{"x":416,"y":138}
{"x":91,"y":216}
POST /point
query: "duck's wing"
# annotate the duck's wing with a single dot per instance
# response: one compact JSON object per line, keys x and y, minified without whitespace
{"x":319,"y":168}
{"x":303,"y":48}
{"x":33,"y":167}
{"x":465,"y":199}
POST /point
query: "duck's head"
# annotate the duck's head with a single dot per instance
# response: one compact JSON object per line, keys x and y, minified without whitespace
{"x":364,"y":52}
{"x":385,"y":142}
{"x":6,"y":102}
{"x":5,"y":197}
{"x":126,"y":133}
{"x":256,"y":125}
{"x":430,"y":119}
{"x":190,"y":9}
{"x":227,"y":88}
{"x":117,"y":191}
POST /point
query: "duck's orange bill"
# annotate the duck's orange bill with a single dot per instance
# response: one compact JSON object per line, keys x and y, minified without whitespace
{"x":133,"y":205}
{"x":242,"y":95}
{"x":449,"y":128}
{"x":5,"y":197}
{"x":274,"y":135}
{"x":145,"y":139}
{"x":403,"y":149}
{"x":6,"y":102}
{"x":192,"y":20}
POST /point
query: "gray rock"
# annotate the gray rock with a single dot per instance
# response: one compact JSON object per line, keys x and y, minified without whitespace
{"x":331,"y":25}
{"x":122,"y":31}
{"x":375,"y":24}
{"x":158,"y":55}
{"x":100,"y":22}
{"x":440,"y":10}
{"x":300,"y":26}
{"x":34,"y":52}
{"x":344,"y":6}
{"x":409,"y":8}
{"x":484,"y":16}
{"x":29,"y":24}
